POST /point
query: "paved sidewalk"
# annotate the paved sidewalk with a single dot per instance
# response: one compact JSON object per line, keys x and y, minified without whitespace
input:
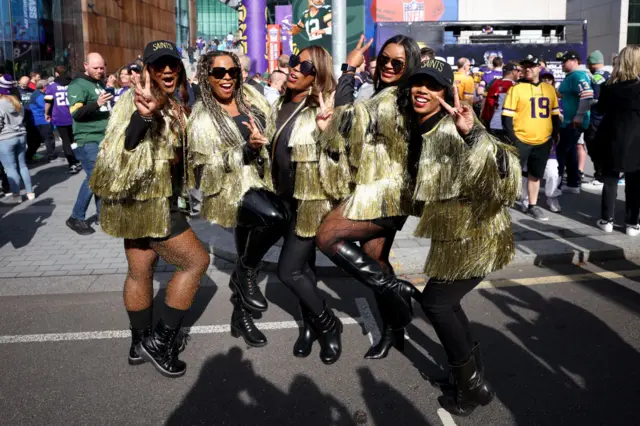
{"x":34,"y":240}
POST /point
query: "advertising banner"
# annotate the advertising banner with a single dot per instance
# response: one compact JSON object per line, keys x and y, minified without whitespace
{"x":311,"y":25}
{"x":413,"y":10}
{"x":273,"y":46}
{"x":253,"y":27}
{"x":284,"y":17}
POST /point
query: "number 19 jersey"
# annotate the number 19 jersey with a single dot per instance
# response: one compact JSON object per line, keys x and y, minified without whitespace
{"x":532,"y":107}
{"x":56,"y":94}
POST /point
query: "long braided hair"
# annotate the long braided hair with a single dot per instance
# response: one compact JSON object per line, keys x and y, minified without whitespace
{"x":211,"y":104}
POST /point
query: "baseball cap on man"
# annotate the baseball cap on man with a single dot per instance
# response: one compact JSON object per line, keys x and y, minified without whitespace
{"x":6,"y":84}
{"x":509,"y":67}
{"x":531,"y":60}
{"x":440,"y":71}
{"x":570,"y":54}
{"x":159,"y":48}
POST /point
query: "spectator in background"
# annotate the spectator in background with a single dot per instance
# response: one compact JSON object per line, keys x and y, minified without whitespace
{"x":57,"y":113}
{"x":595,"y":62}
{"x":489,"y":76}
{"x":33,"y":137}
{"x":37,"y":106}
{"x":13,"y":144}
{"x":463,"y":81}
{"x":90,"y":107}
{"x":191,"y":51}
{"x":34,"y":78}
{"x":283,"y":63}
{"x":426,"y":53}
{"x":200,"y":43}
{"x":617,"y":144}
{"x":229,"y":41}
{"x":245,"y":61}
{"x":492,"y":109}
{"x":577,"y":94}
{"x":276,"y":87}
{"x":124,"y":82}
{"x":367,"y":89}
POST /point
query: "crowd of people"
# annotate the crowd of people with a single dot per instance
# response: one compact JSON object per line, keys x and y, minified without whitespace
{"x":333,"y":164}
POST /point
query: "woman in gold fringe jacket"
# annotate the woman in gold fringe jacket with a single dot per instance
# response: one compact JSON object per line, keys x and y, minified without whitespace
{"x":139,"y":176}
{"x":234,"y":174}
{"x":463,"y":179}
{"x":364,"y":162}
{"x":293,"y":134}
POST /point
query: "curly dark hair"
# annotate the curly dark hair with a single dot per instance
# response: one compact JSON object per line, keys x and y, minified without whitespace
{"x":211,"y":103}
{"x":413,"y":60}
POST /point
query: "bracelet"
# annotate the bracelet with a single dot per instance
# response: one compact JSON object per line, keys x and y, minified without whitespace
{"x":147,"y":118}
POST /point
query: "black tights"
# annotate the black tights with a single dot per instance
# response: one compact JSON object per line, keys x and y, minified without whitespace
{"x":441,"y":304}
{"x":296,"y":265}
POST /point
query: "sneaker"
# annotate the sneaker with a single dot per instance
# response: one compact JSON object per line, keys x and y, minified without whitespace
{"x":537,"y":213}
{"x":605,"y":225}
{"x":572,"y":189}
{"x":31,"y":196}
{"x":633,"y":230}
{"x":593,"y":185}
{"x":554,"y":204}
{"x":16,"y":198}
{"x":74,"y":169}
{"x":524,"y":205}
{"x":621,"y":182}
{"x":80,"y":226}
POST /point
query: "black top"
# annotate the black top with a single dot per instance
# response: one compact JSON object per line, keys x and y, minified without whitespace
{"x":345,"y":93}
{"x":282,"y":169}
{"x":618,"y":136}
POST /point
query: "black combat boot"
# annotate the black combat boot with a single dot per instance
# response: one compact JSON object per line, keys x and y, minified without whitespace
{"x":302,"y":347}
{"x":471,"y":389}
{"x":136,"y":338}
{"x":160,"y":350}
{"x":447,"y":382}
{"x":242,"y":325}
{"x":244,"y":283}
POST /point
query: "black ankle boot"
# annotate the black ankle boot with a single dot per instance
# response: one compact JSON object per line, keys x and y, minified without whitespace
{"x":390,"y":338}
{"x":160,"y":350}
{"x":302,"y":347}
{"x":242,"y":325}
{"x":471,"y":389}
{"x":244,"y":283}
{"x":136,"y":338}
{"x":448,"y":382}
{"x":398,"y":293}
{"x":328,"y":329}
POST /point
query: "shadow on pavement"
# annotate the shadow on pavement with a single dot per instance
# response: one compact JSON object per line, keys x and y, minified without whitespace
{"x":565,"y":366}
{"x":17,"y":230}
{"x":229,"y":391}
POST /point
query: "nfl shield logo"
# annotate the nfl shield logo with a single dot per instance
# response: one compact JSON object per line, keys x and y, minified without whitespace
{"x":413,"y":11}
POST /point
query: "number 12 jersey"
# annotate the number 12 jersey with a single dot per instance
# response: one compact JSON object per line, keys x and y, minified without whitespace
{"x":532,"y":107}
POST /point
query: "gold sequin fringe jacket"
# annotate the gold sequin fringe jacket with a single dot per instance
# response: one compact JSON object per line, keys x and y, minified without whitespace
{"x":224,"y":176}
{"x":364,"y":158}
{"x":313,"y":201}
{"x":135,"y":186}
{"x":465,"y":201}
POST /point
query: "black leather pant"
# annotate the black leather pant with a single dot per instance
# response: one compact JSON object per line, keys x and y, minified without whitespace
{"x":296,"y":265}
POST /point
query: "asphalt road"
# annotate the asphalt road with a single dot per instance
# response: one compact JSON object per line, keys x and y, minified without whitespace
{"x":560,"y":349}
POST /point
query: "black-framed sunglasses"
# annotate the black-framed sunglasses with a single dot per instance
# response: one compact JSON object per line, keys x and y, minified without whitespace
{"x":220,"y":72}
{"x":306,"y":67}
{"x":396,"y":64}
{"x":164,"y":61}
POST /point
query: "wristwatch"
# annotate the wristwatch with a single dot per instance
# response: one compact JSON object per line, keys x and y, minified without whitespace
{"x":348,"y":68}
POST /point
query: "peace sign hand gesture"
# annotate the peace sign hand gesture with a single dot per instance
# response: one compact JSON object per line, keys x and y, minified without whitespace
{"x":462,"y":113}
{"x":356,"y":56}
{"x":326,"y":111}
{"x":257,"y":139}
{"x":145,"y":101}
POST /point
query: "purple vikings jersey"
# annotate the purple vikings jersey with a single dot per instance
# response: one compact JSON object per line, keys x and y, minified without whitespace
{"x":57,"y":94}
{"x":491,"y":75}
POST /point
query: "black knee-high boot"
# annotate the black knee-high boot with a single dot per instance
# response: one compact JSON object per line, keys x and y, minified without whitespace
{"x":244,"y":279}
{"x":398,"y":293}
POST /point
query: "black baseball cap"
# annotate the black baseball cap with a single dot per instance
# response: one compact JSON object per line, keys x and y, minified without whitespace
{"x":570,"y":54}
{"x":159,"y":48}
{"x":439,"y":70}
{"x":530,"y":59}
{"x":509,"y":67}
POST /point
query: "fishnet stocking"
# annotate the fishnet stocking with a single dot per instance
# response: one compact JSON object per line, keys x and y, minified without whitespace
{"x":138,"y":286}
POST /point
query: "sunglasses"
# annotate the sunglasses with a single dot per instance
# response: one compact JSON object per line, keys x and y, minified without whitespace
{"x":306,"y":67}
{"x":396,"y":64}
{"x":167,"y":61}
{"x":220,"y":72}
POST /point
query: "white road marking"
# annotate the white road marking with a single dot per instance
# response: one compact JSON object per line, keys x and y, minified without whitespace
{"x":446,"y":418}
{"x":123,"y":334}
{"x":368,"y":320}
